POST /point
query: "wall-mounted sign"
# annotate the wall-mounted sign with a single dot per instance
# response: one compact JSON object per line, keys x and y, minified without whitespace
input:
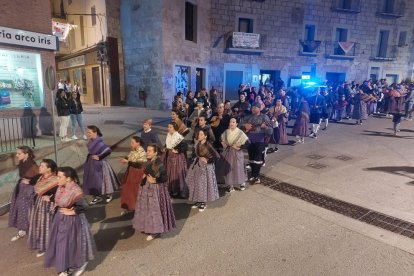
{"x":21,"y":82}
{"x":28,"y":39}
{"x":72,"y":62}
{"x":246,"y":40}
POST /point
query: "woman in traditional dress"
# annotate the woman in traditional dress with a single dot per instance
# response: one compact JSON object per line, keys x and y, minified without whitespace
{"x":23,"y":194}
{"x":235,"y":170}
{"x":201,"y":176}
{"x":175,"y":162}
{"x":182,"y":128}
{"x":98,"y":178}
{"x":280,"y":114}
{"x":154,"y":214}
{"x":71,"y":244}
{"x":133,"y":176}
{"x":40,"y":216}
{"x":359,"y":112}
{"x":300,"y":128}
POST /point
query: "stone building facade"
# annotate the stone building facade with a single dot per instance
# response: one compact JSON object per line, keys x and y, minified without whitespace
{"x":320,"y":40}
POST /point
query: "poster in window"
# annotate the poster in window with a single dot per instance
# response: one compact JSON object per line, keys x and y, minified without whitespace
{"x":182,"y":78}
{"x":21,"y":83}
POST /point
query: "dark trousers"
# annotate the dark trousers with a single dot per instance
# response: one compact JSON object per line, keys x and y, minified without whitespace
{"x":255,"y":151}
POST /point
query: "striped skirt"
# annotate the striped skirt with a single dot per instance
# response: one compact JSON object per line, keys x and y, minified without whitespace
{"x":176,"y":166}
{"x":154,"y":213}
{"x":202,"y":183}
{"x":40,"y":218}
{"x":70,"y":242}
{"x":21,"y":202}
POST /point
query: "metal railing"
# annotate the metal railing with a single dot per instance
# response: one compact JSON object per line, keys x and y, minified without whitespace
{"x":310,"y":46}
{"x":350,"y":6}
{"x":390,"y":52}
{"x":16,"y":131}
{"x":333,"y":48}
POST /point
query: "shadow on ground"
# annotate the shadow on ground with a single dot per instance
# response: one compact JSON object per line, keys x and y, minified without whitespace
{"x":396,"y":170}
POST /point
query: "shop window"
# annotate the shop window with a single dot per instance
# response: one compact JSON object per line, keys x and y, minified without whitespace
{"x":190,"y":22}
{"x":21,"y":81}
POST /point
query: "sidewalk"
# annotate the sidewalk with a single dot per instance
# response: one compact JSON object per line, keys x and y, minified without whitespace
{"x":116,"y":124}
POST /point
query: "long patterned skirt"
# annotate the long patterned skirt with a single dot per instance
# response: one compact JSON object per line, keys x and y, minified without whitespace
{"x":99,"y":178}
{"x":130,"y":187}
{"x":40,"y":218}
{"x":154,"y":213}
{"x":235,"y":169}
{"x":21,"y":202}
{"x":301,"y":127}
{"x":202,"y":183}
{"x":279,"y":136}
{"x":70,"y":242}
{"x":176,"y":166}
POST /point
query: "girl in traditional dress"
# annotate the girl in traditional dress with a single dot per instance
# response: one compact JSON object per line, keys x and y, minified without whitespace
{"x":71,"y":244}
{"x":133,"y":176}
{"x":300,"y":128}
{"x":280,"y":114}
{"x":154,"y":213}
{"x":182,"y":128}
{"x":175,"y":162}
{"x":98,"y":178}
{"x":235,"y":170}
{"x":40,"y":216}
{"x":201,"y":177}
{"x":23,"y":194}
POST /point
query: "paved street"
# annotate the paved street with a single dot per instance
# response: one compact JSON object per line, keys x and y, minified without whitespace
{"x":261,"y":231}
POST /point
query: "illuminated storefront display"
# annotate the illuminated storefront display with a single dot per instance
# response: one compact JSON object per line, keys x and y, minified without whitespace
{"x":21,"y":84}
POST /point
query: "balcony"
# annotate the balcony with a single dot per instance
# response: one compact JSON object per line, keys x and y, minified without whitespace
{"x":247,"y":43}
{"x":340,"y":50}
{"x":385,"y":53}
{"x":346,"y":6}
{"x":391,"y":9}
{"x":309,"y":48}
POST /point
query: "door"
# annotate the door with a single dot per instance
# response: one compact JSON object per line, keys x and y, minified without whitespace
{"x":233,"y":80}
{"x":270,"y":78}
{"x":335,"y":78}
{"x":391,"y":78}
{"x":200,"y":78}
{"x":96,"y":85}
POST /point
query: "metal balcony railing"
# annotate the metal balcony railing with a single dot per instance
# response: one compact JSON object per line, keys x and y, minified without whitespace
{"x":391,"y":8}
{"x":310,"y":46}
{"x":16,"y":131}
{"x":348,"y":6}
{"x":385,"y":53}
{"x":340,"y":49}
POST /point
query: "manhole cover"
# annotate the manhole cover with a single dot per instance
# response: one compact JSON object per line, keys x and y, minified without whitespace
{"x":315,"y":156}
{"x":316,"y":166}
{"x":113,"y":122}
{"x":343,"y":158}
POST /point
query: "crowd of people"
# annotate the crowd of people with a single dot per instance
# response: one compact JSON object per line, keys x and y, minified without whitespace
{"x":48,"y":204}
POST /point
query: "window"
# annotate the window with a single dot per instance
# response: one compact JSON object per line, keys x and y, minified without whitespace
{"x":245,"y":25}
{"x":309,"y":32}
{"x":72,"y":38}
{"x":402,"y":39}
{"x":374,"y":75}
{"x":341,"y":35}
{"x":388,"y":6}
{"x":93,"y":17}
{"x":190,"y":22}
{"x":82,"y":30}
{"x":346,"y":4}
{"x":383,"y":43}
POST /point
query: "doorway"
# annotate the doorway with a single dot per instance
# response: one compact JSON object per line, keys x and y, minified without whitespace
{"x":335,"y":78}
{"x":233,"y":80}
{"x":96,"y":85}
{"x":270,"y":78}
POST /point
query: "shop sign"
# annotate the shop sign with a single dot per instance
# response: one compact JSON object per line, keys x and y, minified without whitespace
{"x":72,"y":62}
{"x":28,"y":39}
{"x":246,"y":40}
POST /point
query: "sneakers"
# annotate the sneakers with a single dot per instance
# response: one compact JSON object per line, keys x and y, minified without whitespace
{"x":85,"y":137}
{"x":66,"y":139}
{"x":202,"y":207}
{"x":80,"y":270}
{"x":74,"y":137}
{"x":242,"y":187}
{"x":109,"y":198}
{"x":313,"y":135}
{"x":230,"y":190}
{"x":248,"y":167}
{"x":256,"y":180}
{"x":95,"y":200}
{"x":251,"y":179}
{"x":19,"y":235}
{"x":151,"y":237}
{"x":64,"y":273}
{"x":196,"y":205}
{"x":40,"y":254}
